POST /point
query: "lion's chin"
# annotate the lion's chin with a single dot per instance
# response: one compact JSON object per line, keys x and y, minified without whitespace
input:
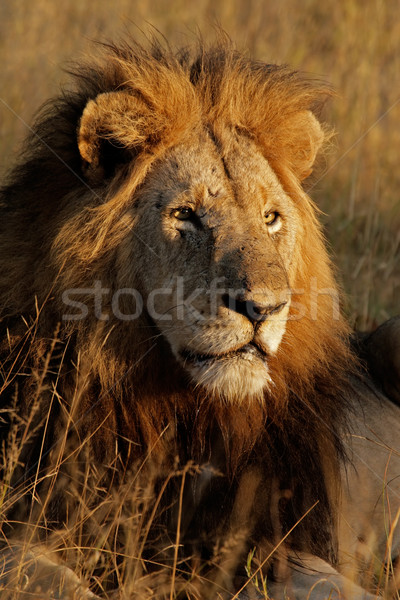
{"x":234,"y":376}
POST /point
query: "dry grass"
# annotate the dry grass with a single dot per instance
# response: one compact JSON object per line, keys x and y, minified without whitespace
{"x":111,"y":541}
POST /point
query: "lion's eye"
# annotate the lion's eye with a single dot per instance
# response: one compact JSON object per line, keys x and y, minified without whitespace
{"x":183,"y":214}
{"x":271,"y":218}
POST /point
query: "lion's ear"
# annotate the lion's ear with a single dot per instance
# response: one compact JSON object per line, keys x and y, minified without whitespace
{"x":303,"y":138}
{"x":111,"y":132}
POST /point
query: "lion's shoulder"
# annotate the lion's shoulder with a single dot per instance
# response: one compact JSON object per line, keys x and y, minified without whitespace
{"x":380,"y":352}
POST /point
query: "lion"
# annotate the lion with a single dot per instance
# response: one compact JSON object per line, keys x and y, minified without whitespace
{"x":179,"y":387}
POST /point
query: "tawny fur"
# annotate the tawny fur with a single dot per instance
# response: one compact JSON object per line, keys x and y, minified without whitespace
{"x":67,"y":221}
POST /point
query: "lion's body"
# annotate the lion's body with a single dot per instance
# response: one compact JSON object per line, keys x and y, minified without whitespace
{"x":371,"y":486}
{"x":167,"y":301}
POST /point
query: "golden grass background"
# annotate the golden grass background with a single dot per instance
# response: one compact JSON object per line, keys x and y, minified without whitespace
{"x":354,"y":44}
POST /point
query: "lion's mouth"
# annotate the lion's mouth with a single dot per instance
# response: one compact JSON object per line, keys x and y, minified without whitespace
{"x":249,"y":351}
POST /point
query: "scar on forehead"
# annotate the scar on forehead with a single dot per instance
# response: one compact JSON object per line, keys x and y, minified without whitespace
{"x":202,"y":191}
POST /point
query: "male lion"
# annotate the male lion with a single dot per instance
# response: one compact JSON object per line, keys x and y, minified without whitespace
{"x":183,"y":412}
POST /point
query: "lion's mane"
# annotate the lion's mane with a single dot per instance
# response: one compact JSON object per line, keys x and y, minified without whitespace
{"x":59,"y":227}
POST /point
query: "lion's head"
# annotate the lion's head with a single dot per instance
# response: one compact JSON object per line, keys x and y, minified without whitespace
{"x":171,"y":241}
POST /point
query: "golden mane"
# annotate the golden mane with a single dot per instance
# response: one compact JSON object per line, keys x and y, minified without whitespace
{"x":221,"y":86}
{"x":62,"y":229}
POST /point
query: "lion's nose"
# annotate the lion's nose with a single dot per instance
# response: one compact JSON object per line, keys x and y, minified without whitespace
{"x":254,"y":311}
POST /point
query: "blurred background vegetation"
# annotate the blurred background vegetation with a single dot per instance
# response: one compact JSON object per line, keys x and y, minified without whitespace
{"x":354,"y":44}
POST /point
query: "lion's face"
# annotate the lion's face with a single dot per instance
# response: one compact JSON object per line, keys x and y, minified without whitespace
{"x":216,"y":241}
{"x":218,"y":236}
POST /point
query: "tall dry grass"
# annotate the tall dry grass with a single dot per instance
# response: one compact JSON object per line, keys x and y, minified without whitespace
{"x":353,"y":44}
{"x":112,"y":542}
